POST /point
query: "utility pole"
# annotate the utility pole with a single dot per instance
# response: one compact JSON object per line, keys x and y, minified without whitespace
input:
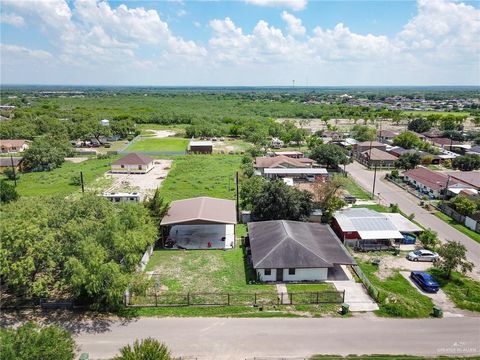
{"x":81,"y":181}
{"x":238,"y":205}
{"x":13,"y":169}
{"x":374,"y":178}
{"x":446,"y":188}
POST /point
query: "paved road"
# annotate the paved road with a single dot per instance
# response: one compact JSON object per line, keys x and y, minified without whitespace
{"x":390,"y":193}
{"x":230,"y":338}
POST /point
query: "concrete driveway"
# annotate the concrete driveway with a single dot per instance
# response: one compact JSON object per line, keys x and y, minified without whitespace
{"x":390,"y":193}
{"x":440,"y":299}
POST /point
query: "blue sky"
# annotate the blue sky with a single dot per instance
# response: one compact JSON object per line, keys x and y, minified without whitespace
{"x":248,"y":42}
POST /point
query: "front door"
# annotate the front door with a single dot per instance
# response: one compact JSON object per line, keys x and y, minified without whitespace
{"x":279,"y":274}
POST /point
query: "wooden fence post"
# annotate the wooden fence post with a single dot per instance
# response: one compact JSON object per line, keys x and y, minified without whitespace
{"x":317,"y":296}
{"x":255,"y":299}
{"x":188,"y":299}
{"x":228,"y":299}
{"x":156,"y":299}
{"x":291,"y":298}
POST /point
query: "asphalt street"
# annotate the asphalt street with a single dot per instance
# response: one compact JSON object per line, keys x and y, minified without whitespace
{"x":236,"y":338}
{"x":390,"y":193}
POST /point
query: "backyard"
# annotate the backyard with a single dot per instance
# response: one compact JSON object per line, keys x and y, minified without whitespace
{"x":160,"y":145}
{"x":201,"y":175}
{"x":59,"y":180}
{"x":460,"y":227}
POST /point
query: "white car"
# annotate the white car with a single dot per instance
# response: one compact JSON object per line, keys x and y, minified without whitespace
{"x":422,"y":255}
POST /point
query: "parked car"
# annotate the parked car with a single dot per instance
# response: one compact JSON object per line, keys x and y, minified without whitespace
{"x":107,"y":145}
{"x":425,"y":281}
{"x":422,"y":255}
{"x":349,"y":199}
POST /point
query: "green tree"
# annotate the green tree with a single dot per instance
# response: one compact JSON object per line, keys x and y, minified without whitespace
{"x":158,"y":207}
{"x":330,"y":155}
{"x":453,"y":256}
{"x":420,"y":125}
{"x":249,"y":190}
{"x":407,"y":140}
{"x":278,"y":201}
{"x":7,"y":192}
{"x":31,"y":342}
{"x":464,"y":205}
{"x":46,"y":153}
{"x":408,"y":161}
{"x":467,"y":162}
{"x":363,"y":133}
{"x":428,"y":239}
{"x":146,"y":349}
{"x":11,"y":174}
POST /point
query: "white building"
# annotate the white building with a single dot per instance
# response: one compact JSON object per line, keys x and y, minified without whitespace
{"x":133,"y":164}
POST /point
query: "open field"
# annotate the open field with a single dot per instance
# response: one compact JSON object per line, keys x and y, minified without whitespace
{"x":58,"y":181}
{"x":398,"y":297}
{"x":177,"y":128}
{"x":201,"y":175}
{"x":354,"y":189}
{"x":426,"y":113}
{"x":150,"y":144}
{"x":463,"y":229}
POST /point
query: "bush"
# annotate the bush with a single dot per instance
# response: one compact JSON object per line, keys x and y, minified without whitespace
{"x":147,"y":349}
{"x":76,"y":180}
{"x":10,"y":174}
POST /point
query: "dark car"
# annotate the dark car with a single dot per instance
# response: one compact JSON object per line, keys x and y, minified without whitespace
{"x":425,"y":281}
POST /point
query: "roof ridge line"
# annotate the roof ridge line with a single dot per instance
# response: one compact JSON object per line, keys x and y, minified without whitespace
{"x":305,"y":247}
{"x":278,"y":244}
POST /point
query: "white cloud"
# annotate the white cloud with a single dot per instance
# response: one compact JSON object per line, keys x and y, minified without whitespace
{"x":12,"y":19}
{"x":290,"y":4}
{"x":294,"y":24}
{"x":197,"y":24}
{"x":181,"y":12}
{"x":24,"y":53}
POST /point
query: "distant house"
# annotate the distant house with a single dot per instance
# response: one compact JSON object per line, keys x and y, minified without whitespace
{"x":271,"y":162}
{"x":399,"y":151}
{"x":290,"y":154}
{"x":200,"y":147}
{"x":471,"y":178}
{"x":123,"y":197}
{"x":276,"y":143}
{"x":378,"y":158}
{"x":305,"y":173}
{"x":133,"y":163}
{"x":332,"y":135}
{"x":362,"y":227}
{"x":105,"y":122}
{"x":360,"y":147}
{"x":293,"y":251}
{"x":474,"y":150}
{"x":447,"y":144}
{"x":12,"y":146}
{"x":386,"y":136}
{"x":6,"y":163}
{"x":433,"y":183}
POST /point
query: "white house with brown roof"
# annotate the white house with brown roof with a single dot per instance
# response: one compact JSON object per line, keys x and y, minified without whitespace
{"x":13,"y":146}
{"x":133,"y":163}
{"x":271,"y":162}
{"x":377,"y":157}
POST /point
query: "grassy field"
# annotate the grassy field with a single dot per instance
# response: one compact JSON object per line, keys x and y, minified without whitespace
{"x":168,"y":144}
{"x":426,"y":113}
{"x":354,"y":189}
{"x":201,"y":175}
{"x":375,"y":207}
{"x":310,"y":287}
{"x":58,"y":181}
{"x":463,"y":291}
{"x":398,"y":297}
{"x":463,"y":229}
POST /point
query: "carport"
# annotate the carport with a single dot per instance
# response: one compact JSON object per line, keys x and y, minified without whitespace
{"x":200,"y":223}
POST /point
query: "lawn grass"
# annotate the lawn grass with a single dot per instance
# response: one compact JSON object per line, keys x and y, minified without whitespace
{"x":375,"y":207}
{"x":168,"y":144}
{"x":397,"y":297}
{"x":58,"y":180}
{"x":463,"y":229}
{"x":353,"y":188}
{"x":463,"y":291}
{"x":425,"y":113}
{"x":310,"y":287}
{"x":201,"y":175}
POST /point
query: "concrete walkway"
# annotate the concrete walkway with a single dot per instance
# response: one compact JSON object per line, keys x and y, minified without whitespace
{"x":283,"y":294}
{"x":356,"y":296}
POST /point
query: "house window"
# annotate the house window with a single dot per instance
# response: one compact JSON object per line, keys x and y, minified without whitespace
{"x":139,"y":167}
{"x":268,"y":272}
{"x":291,"y":271}
{"x":122,"y":166}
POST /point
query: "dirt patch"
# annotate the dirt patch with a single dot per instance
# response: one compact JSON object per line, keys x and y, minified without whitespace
{"x":76,"y":160}
{"x":161,"y":133}
{"x":388,"y":264}
{"x":143,"y":183}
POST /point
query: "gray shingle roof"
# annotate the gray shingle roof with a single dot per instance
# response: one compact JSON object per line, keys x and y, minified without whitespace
{"x":294,"y":244}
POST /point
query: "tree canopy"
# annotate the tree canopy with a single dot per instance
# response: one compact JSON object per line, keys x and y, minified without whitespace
{"x":453,"y":256}
{"x":407,"y":140}
{"x":32,"y":342}
{"x":363,"y":133}
{"x":7,"y":192}
{"x":86,"y":248}
{"x":467,"y":162}
{"x":420,"y":125}
{"x":330,"y":155}
{"x":46,"y":153}
{"x":408,"y":161}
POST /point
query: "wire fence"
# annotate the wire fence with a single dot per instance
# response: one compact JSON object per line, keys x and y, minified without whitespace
{"x":235,"y":299}
{"x":372,"y":290}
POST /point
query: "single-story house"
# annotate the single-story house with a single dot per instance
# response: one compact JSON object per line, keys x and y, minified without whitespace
{"x":399,"y":151}
{"x":290,"y":154}
{"x":293,"y":251}
{"x":474,"y":150}
{"x":122,"y":196}
{"x":200,"y":147}
{"x":133,"y":163}
{"x":333,"y":135}
{"x":386,"y":135}
{"x":367,"y":145}
{"x":471,"y":178}
{"x":448,"y":144}
{"x":12,"y":146}
{"x":433,"y":183}
{"x":6,"y":163}
{"x":265,"y":162}
{"x":363,"y":227}
{"x":306,"y":173}
{"x":378,"y":158}
{"x":200,"y":223}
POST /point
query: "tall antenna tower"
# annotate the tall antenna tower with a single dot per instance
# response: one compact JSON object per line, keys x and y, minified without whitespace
{"x":293,"y":83}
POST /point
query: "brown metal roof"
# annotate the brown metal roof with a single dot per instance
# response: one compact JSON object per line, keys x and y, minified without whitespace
{"x":133,"y":159}
{"x":201,"y":210}
{"x":377,"y":154}
{"x":8,"y":143}
{"x":7,"y":161}
{"x":278,"y":161}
